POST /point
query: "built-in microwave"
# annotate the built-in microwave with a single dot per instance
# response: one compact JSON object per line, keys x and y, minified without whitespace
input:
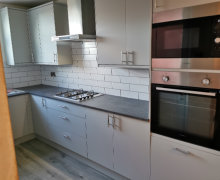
{"x":187,"y":38}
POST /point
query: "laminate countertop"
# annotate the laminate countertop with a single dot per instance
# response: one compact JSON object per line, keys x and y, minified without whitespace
{"x":133,"y":108}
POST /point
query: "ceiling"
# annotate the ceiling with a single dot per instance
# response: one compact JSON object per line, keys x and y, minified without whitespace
{"x":28,"y":3}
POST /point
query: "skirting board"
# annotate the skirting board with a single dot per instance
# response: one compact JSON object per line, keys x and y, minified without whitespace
{"x":90,"y":163}
{"x":24,"y":139}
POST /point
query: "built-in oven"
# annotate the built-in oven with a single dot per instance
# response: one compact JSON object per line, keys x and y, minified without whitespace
{"x":186,"y":106}
{"x":187,"y":38}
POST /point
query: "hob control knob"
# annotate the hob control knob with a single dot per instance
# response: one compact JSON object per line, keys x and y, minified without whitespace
{"x":166,"y":78}
{"x":206,"y":81}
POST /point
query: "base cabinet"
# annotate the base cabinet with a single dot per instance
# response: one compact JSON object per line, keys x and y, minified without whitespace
{"x":119,"y":143}
{"x":100,"y":138}
{"x":52,"y":122}
{"x":21,"y":118}
{"x":131,"y":148}
{"x":172,"y":160}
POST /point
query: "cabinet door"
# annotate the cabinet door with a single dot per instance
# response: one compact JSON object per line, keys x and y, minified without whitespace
{"x":20,"y":36}
{"x":40,"y":116}
{"x":172,"y":161}
{"x":138,"y":31}
{"x":163,"y":5}
{"x":110,"y":31}
{"x":21,"y":118}
{"x":132,"y":148}
{"x":47,"y":30}
{"x":99,"y":138}
{"x":35,"y":35}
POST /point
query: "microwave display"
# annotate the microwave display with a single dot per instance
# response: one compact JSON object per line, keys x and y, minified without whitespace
{"x":190,"y":38}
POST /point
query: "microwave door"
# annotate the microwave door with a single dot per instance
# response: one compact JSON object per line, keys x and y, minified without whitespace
{"x":191,"y":38}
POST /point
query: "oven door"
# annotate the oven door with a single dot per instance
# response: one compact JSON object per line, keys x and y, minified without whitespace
{"x":186,"y":114}
{"x":190,"y":38}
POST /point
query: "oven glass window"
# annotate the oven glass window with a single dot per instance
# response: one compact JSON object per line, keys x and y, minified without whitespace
{"x":188,"y":114}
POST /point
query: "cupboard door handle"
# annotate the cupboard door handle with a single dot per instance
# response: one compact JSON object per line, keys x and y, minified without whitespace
{"x":64,"y":107}
{"x":124,"y":53}
{"x":183,"y":151}
{"x":130,"y":53}
{"x":114,"y":122}
{"x":43,"y":102}
{"x":64,"y":118}
{"x":67,"y":137}
{"x":156,"y":5}
{"x":109,"y":124}
{"x":55,"y":57}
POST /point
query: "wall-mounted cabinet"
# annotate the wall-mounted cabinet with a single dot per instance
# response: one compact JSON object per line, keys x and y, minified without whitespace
{"x":163,"y":5}
{"x":123,"y":29}
{"x":15,"y":36}
{"x":45,"y":21}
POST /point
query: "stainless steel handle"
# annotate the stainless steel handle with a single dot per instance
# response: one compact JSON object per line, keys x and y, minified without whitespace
{"x":114,"y":122}
{"x":156,"y":5}
{"x":66,"y":137}
{"x":109,"y":124}
{"x":64,"y":107}
{"x":186,"y":91}
{"x":43,"y":102}
{"x":130,"y":53}
{"x":55,"y":57}
{"x":64,"y":118}
{"x":122,"y":57}
{"x":33,"y":60}
{"x":183,"y":151}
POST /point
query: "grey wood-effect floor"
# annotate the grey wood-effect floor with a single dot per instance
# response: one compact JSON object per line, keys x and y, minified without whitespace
{"x":39,"y":161}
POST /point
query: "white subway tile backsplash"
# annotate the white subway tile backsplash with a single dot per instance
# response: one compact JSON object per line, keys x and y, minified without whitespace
{"x":112,"y":78}
{"x":120,"y":72}
{"x":120,"y":86}
{"x":139,"y":88}
{"x":114,"y":92}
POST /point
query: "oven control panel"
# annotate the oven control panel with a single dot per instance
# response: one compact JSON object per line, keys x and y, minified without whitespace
{"x":192,"y":79}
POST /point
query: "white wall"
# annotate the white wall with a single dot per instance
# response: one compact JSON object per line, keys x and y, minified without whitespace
{"x":85,"y":73}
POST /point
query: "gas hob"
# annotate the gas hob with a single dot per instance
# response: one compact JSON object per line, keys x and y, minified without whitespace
{"x":77,"y":95}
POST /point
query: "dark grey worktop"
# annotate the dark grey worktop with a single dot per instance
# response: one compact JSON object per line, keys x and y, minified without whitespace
{"x":119,"y":105}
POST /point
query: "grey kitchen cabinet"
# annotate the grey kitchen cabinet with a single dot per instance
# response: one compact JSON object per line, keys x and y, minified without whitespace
{"x":124,"y":37}
{"x":173,"y":159}
{"x":52,"y":122}
{"x":163,"y":5}
{"x":15,"y":36}
{"x":131,"y":147}
{"x":21,"y":117}
{"x":100,"y":138}
{"x":119,"y":143}
{"x":46,"y":21}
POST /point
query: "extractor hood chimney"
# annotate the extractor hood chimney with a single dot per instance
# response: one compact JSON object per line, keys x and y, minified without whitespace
{"x":81,"y":15}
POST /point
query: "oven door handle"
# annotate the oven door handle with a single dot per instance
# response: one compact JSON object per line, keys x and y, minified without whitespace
{"x":187,"y":91}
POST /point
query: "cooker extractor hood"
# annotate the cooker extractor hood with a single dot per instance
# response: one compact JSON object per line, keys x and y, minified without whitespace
{"x":81,"y":17}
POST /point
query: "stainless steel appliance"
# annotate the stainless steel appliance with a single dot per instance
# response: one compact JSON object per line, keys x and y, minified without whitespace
{"x":77,"y":95}
{"x":186,"y":106}
{"x":187,"y":38}
{"x":81,"y":16}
